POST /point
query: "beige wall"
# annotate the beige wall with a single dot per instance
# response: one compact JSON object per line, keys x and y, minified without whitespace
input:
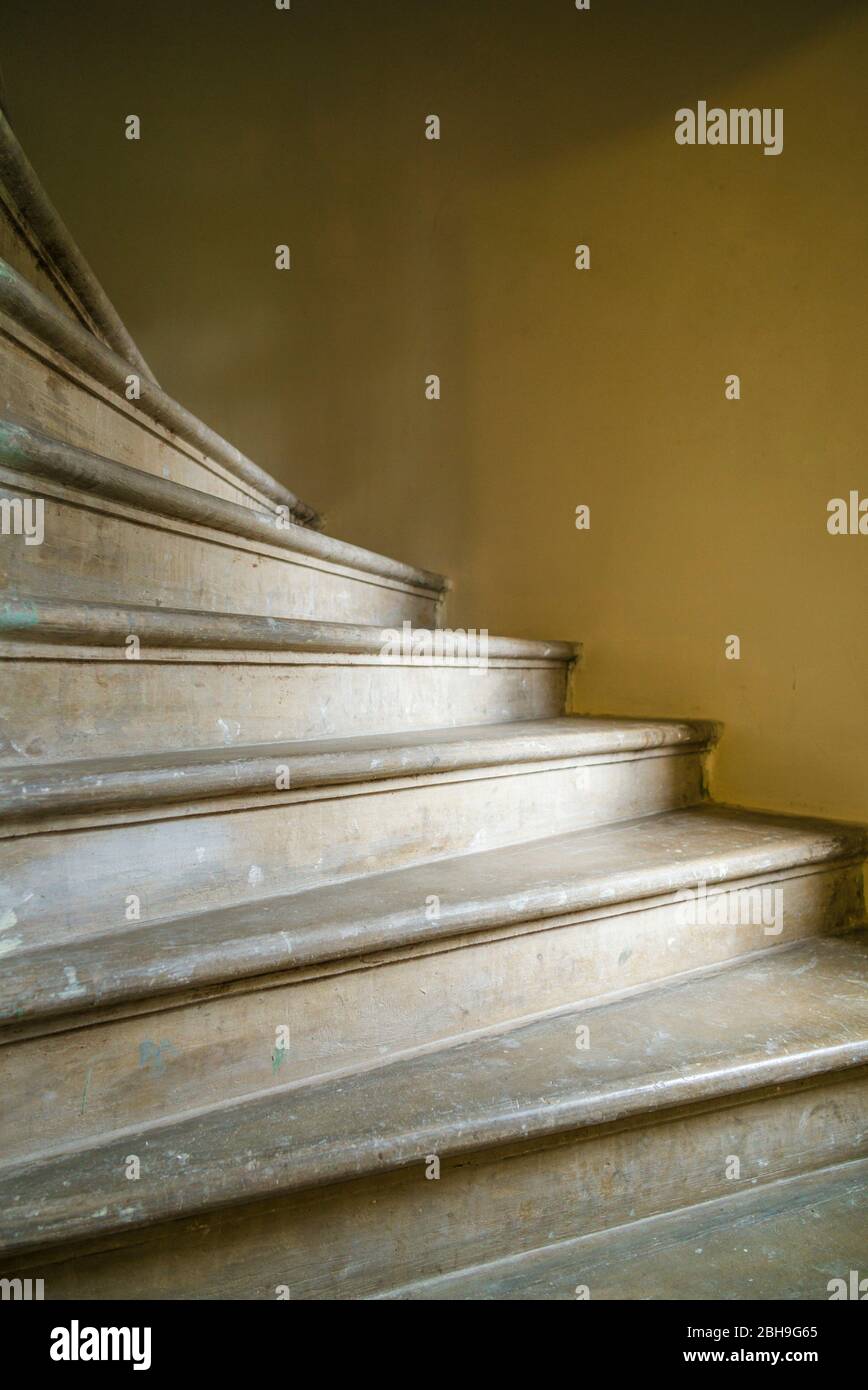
{"x":559,"y":387}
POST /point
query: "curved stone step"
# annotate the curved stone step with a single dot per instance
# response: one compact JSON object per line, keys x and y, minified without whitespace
{"x":116,"y":533}
{"x":237,"y":825}
{"x":605,"y":870}
{"x":95,"y":1066}
{"x":151,"y":781}
{"x":762,"y":1045}
{"x":199,"y":679}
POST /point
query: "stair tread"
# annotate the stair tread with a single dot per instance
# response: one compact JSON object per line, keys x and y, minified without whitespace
{"x":187,"y":774}
{"x":496,"y":888}
{"x":750,"y":1245}
{"x":779,"y":1017}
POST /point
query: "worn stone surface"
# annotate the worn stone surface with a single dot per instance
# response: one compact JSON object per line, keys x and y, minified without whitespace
{"x":22,"y":254}
{"x":40,"y":457}
{"x":384,"y":1231}
{"x":222,"y":681}
{"x":110,"y":554}
{"x":548,"y":878}
{"x":37,"y":621}
{"x":179,"y":706}
{"x":98,"y":784}
{"x":693,"y":1043}
{"x":375,"y":904}
{"x":788,"y":1240}
{"x":73,"y":876}
{"x":77,"y":1075}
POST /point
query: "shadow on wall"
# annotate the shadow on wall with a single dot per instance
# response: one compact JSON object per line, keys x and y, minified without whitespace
{"x":521,"y":62}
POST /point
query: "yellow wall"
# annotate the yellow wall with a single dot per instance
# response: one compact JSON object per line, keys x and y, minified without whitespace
{"x":559,"y":387}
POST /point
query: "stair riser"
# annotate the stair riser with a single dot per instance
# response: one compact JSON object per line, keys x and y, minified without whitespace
{"x":750,"y":1246}
{"x":20,"y":254}
{"x":57,"y":710}
{"x":46,"y":391}
{"x":62,"y":884}
{"x":107,"y":552}
{"x":375,"y":1234}
{"x":127,"y":1071}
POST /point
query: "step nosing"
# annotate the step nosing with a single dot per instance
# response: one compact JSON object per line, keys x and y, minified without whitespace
{"x":277,"y":1173}
{"x":99,"y":784}
{"x":332,"y":923}
{"x":50,"y":620}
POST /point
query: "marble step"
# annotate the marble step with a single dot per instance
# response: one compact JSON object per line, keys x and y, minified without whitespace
{"x":201,"y":679}
{"x":126,"y":1022}
{"x":231,"y":826}
{"x":796,"y":1239}
{"x":466,"y":1154}
{"x":112,"y":533}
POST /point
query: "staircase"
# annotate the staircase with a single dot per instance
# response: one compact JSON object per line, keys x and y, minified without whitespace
{"x":335,"y":972}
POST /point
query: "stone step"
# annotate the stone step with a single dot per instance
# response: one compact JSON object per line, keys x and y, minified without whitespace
{"x":137,"y":1021}
{"x":34,"y":237}
{"x":61,"y":379}
{"x":465,"y":1154}
{"x":71,"y":692}
{"x":236,"y":825}
{"x":112,"y":533}
{"x":798,"y":1238}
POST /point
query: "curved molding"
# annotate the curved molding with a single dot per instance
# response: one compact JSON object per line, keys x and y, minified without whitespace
{"x":40,"y":456}
{"x":58,"y":249}
{"x":34,"y":312}
{"x":131,"y":783}
{"x":49,"y":620}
